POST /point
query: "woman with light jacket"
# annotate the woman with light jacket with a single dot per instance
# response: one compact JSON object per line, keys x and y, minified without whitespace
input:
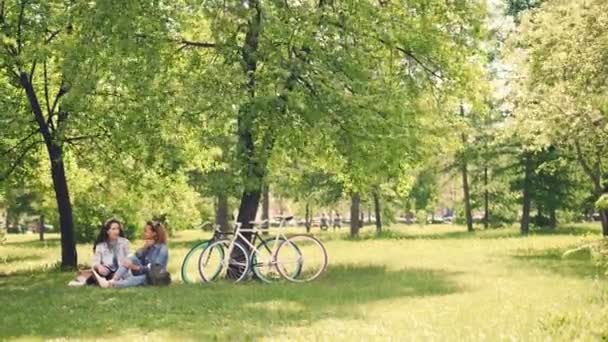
{"x":149,"y":264}
{"x":110,"y":248}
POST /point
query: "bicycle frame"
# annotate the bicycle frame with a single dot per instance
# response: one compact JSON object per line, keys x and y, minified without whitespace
{"x":255,"y":232}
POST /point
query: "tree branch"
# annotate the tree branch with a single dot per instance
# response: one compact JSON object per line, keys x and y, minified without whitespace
{"x":22,"y":141}
{"x":410,"y":54}
{"x":586,"y":167}
{"x":19,"y":25}
{"x":32,"y":70}
{"x":1,"y":11}
{"x":52,"y":36}
{"x":63,"y":89}
{"x":19,"y":160}
{"x":46,"y":90}
{"x":188,"y":43}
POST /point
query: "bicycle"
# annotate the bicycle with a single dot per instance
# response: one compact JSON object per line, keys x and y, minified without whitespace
{"x":237,"y":256}
{"x":186,"y":268}
{"x":232,"y":258}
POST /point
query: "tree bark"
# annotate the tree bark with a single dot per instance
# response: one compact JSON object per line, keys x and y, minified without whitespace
{"x":41,"y":228}
{"x":465,"y":180}
{"x":69,"y":258}
{"x":552,"y":218}
{"x":595,"y":174}
{"x":378,"y":212}
{"x":467,"y":197}
{"x":222,"y":213}
{"x":266,"y":208}
{"x":354,"y":214}
{"x":486,"y":200}
{"x":307,"y":220}
{"x":525,"y":216}
{"x":254,"y":169}
{"x":604,"y":216}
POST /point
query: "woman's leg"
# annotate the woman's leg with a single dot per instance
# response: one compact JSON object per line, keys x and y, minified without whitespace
{"x":123,"y":271}
{"x":130,"y":281}
{"x":103,"y":270}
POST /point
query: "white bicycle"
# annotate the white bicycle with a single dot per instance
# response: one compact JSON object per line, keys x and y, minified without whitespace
{"x":297,"y":258}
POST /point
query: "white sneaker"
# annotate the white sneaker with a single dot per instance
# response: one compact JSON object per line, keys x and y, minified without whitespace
{"x":103,"y":282}
{"x":77,"y":283}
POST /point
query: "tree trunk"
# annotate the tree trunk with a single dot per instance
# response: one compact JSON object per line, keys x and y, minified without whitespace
{"x":465,"y":180}
{"x":222,"y":212}
{"x":60,"y":186}
{"x":266,"y":209}
{"x":307,"y":220}
{"x":604,"y":216}
{"x":369,"y":216}
{"x":254,"y":167}
{"x":467,"y":197}
{"x":68,"y":246}
{"x":486,"y":200}
{"x":525,"y":216}
{"x":377,"y":210}
{"x":248,"y":209}
{"x":552,"y":218}
{"x":354,"y":214}
{"x":41,"y":228}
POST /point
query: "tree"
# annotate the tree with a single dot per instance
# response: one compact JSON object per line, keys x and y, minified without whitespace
{"x":57,"y":56}
{"x":559,"y":50}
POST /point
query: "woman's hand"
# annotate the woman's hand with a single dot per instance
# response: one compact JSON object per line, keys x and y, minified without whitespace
{"x":148,"y":243}
{"x":102,"y":269}
{"x":126,"y":263}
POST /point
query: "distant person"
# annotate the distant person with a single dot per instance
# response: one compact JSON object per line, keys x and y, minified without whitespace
{"x":337,"y":221}
{"x":109,"y":249}
{"x":149,"y":264}
{"x":324,"y":224}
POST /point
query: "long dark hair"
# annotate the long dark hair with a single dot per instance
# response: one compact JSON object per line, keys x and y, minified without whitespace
{"x":103,"y":232}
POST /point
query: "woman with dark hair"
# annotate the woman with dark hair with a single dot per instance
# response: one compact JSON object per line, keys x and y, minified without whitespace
{"x":110,"y":248}
{"x":148,"y":265}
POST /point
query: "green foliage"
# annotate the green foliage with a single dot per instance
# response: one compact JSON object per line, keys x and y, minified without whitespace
{"x":560,"y":52}
{"x":516,"y":7}
{"x":602,"y":202}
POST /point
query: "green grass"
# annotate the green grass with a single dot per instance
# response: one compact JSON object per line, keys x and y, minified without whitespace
{"x":410,"y":283}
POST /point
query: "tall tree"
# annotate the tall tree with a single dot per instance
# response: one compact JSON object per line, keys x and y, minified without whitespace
{"x":57,"y":55}
{"x":559,"y":50}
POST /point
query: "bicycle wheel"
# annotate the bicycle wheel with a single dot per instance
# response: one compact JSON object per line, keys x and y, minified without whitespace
{"x":311,"y":258}
{"x":214,"y":264}
{"x":263,"y":260}
{"x":189,"y":269}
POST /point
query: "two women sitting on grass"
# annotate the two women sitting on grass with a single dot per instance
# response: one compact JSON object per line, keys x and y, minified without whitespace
{"x":113,"y":267}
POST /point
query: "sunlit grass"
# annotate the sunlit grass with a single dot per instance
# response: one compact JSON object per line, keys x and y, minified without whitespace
{"x":411,"y":283}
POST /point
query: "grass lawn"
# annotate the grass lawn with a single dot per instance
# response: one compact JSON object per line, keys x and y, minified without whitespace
{"x":413,"y":283}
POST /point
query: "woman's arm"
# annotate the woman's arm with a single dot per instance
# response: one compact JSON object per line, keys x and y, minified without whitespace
{"x":162,"y":258}
{"x":96,"y":260}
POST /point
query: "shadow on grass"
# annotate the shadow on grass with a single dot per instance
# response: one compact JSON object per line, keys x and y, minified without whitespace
{"x":218,"y":311}
{"x":8,"y":259}
{"x":497,"y":233}
{"x":582,"y":266}
{"x":53,"y":242}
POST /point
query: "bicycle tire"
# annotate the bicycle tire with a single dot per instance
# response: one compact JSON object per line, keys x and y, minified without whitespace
{"x":312,"y":262}
{"x":263,"y":270}
{"x":199,"y":247}
{"x":236,"y":269}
